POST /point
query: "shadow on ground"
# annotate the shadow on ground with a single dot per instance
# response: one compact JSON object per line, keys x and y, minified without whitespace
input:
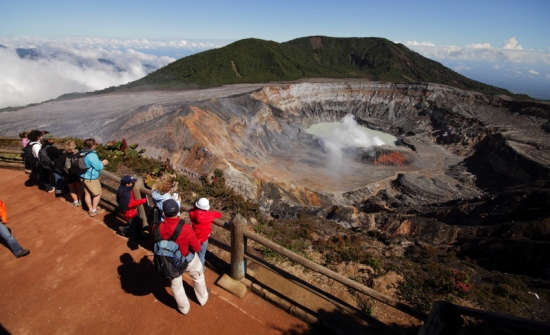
{"x":114,"y":222}
{"x":3,"y":331}
{"x":141,"y":278}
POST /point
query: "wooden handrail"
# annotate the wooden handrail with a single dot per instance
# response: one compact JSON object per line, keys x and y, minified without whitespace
{"x":10,"y":151}
{"x":333,"y":275}
{"x":445,"y":318}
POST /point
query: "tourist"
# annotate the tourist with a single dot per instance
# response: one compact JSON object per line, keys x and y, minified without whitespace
{"x":6,"y":235}
{"x":30,"y":156}
{"x":64,"y":179}
{"x":164,"y":189}
{"x":202,"y":218}
{"x":127,"y":204}
{"x":46,"y":157}
{"x":24,"y":138}
{"x":90,"y":178}
{"x":185,"y":240}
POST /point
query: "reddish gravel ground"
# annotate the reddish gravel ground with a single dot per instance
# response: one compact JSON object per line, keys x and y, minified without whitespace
{"x":83,"y":278}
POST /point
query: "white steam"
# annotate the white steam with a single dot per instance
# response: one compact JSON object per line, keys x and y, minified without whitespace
{"x":337,"y":136}
{"x":348,"y":133}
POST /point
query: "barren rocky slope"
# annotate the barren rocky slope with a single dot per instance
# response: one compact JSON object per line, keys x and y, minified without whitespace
{"x":467,"y":154}
{"x":469,"y":174}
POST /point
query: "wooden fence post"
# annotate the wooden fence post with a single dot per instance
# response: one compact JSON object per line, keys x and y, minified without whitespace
{"x":443,"y":319}
{"x":238,"y":268}
{"x":137,"y":195}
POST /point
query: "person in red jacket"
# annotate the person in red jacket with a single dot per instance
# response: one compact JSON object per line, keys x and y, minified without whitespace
{"x":188,"y":245}
{"x":128,"y":206}
{"x":202,"y":218}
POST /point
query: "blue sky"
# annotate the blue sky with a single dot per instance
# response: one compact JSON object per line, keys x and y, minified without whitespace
{"x":442,"y":22}
{"x":504,"y":43}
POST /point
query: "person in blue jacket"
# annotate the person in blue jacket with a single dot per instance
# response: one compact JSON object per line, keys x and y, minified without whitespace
{"x":90,"y":178}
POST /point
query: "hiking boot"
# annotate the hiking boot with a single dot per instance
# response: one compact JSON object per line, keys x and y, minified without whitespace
{"x":22,"y":253}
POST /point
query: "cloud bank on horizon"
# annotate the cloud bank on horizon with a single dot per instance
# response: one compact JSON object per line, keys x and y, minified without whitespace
{"x":511,"y":66}
{"x":35,"y":70}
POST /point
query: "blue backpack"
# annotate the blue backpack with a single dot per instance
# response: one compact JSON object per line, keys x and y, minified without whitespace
{"x":168,"y":259}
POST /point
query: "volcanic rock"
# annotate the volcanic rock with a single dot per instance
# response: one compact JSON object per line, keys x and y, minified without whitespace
{"x":458,"y":148}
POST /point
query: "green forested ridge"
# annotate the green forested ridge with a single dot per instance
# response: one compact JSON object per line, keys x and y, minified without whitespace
{"x":255,"y":61}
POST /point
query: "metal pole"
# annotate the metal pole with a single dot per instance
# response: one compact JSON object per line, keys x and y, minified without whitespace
{"x":137,"y":195}
{"x":238,"y":269}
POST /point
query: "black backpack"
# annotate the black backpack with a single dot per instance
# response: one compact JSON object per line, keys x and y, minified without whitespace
{"x":168,"y":259}
{"x":28,"y":158}
{"x":75,"y":165}
{"x":47,"y":155}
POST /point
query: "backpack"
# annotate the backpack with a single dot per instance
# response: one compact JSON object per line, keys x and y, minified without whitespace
{"x":75,"y":165}
{"x":168,"y":259}
{"x":46,"y":155}
{"x":28,"y":158}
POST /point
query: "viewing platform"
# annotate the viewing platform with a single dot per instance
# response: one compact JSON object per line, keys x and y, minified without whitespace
{"x":81,"y":277}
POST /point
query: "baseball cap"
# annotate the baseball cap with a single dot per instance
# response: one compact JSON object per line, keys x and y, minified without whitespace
{"x":170,"y":207}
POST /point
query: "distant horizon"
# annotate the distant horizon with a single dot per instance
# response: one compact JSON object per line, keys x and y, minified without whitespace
{"x":502,"y":43}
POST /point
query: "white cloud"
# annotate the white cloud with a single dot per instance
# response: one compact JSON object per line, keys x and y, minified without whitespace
{"x":78,"y":65}
{"x":422,"y":44}
{"x":512,"y":44}
{"x":511,"y":52}
{"x":480,"y":46}
{"x":533,"y":72}
{"x":113,"y":43}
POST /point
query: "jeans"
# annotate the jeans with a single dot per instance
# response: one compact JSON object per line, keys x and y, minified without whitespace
{"x":15,"y":248}
{"x":59,"y":182}
{"x":202,"y":252}
{"x":196,"y":273}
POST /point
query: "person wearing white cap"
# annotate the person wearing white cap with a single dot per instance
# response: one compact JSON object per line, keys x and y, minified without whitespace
{"x":202,"y":218}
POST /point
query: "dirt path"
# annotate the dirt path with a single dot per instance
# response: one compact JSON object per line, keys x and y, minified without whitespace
{"x":83,"y":278}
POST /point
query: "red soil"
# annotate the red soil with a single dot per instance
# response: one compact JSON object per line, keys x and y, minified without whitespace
{"x":393,"y":158}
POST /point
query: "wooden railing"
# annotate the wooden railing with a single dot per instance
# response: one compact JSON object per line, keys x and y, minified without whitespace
{"x":11,"y":158}
{"x":435,"y":324}
{"x":446,"y":319}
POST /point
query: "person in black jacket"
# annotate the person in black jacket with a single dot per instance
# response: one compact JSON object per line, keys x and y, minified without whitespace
{"x":46,"y":158}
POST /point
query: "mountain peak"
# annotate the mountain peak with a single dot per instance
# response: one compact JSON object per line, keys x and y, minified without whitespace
{"x":255,"y":60}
